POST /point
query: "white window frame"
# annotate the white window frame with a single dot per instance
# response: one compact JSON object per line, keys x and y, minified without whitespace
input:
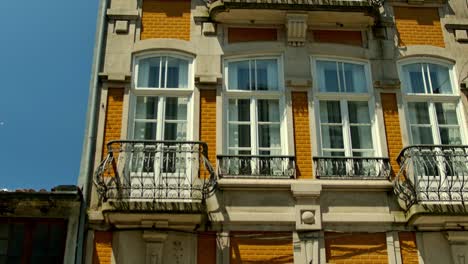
{"x":431,"y":99}
{"x":162,"y":94}
{"x":254,"y":96}
{"x":343,"y":98}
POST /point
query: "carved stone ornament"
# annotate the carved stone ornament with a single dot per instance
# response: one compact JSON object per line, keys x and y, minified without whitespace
{"x":296,"y":26}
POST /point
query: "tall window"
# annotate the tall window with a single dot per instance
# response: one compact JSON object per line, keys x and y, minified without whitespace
{"x":162,"y":98}
{"x":254,"y":107}
{"x":161,"y":108}
{"x":433,"y":112}
{"x":345,"y":109}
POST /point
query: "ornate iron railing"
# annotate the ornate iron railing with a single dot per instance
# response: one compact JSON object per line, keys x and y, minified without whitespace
{"x":296,"y":4}
{"x":256,"y":166}
{"x":434,"y":176}
{"x":352,"y":168}
{"x":155,"y":171}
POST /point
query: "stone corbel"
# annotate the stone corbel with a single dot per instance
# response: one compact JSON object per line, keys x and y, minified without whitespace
{"x":296,"y":26}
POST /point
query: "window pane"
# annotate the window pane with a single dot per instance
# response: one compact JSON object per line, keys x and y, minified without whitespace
{"x":177,"y":73}
{"x":363,"y":154}
{"x":146,"y":108}
{"x":361,"y":137}
{"x":239,"y":76}
{"x":413,"y":78}
{"x":418,"y":113}
{"x":421,"y":135}
{"x":333,"y":153}
{"x":39,"y":240}
{"x":269,"y":136}
{"x":3,"y":247}
{"x":358,"y":113}
{"x":332,"y":137}
{"x":267,"y":74}
{"x":446,"y":113}
{"x":239,"y":110}
{"x":176,"y":108}
{"x":57,"y":235}
{"x":450,"y":136}
{"x":440,"y":79}
{"x":355,"y":78}
{"x":327,"y":76}
{"x":144,"y":130}
{"x":4,"y":231}
{"x":175,"y":131}
{"x":330,"y":112}
{"x":268,"y":111}
{"x":239,"y":135}
{"x":148,"y":72}
{"x":15,"y":243}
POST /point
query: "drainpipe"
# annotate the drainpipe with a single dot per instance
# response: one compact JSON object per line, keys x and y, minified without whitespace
{"x":89,"y":144}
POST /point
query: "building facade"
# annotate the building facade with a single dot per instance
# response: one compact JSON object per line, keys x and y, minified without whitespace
{"x":40,"y":226}
{"x":278,"y":131}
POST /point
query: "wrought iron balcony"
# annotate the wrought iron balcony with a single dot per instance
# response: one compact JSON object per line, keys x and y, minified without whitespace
{"x":292,"y":4}
{"x":433,"y":176}
{"x":256,"y":166}
{"x":352,"y":168}
{"x":155,"y":173}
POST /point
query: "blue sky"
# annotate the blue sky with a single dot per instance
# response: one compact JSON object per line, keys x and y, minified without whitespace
{"x":45,"y":62}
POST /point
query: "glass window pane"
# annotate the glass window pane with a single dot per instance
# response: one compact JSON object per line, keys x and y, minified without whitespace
{"x":363,"y":154}
{"x":177,"y":73}
{"x":450,"y":136}
{"x":176,"y":108}
{"x":148,"y":72}
{"x":355,"y":78}
{"x":239,"y":75}
{"x":361,"y":137}
{"x":39,"y":236}
{"x":15,"y":243}
{"x":440,"y":79}
{"x":144,"y":131}
{"x":413,"y":78}
{"x":333,"y":153}
{"x":175,"y":131}
{"x":239,"y":135}
{"x":359,"y":113}
{"x":421,"y":135}
{"x":268,"y":111}
{"x":57,"y":235}
{"x":3,"y":247}
{"x":418,"y":113}
{"x":446,"y":113}
{"x":330,"y":112}
{"x":4,"y":231}
{"x":239,"y":110}
{"x":146,"y":108}
{"x":327,"y":76}
{"x":267,"y":74}
{"x":332,"y":137}
{"x":269,"y":136}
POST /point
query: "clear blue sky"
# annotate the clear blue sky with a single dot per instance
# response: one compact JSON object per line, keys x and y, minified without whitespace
{"x":45,"y":60}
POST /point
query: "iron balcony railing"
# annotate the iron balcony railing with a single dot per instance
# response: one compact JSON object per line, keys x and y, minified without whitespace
{"x":155,"y":171}
{"x":294,"y":4}
{"x":256,"y":166}
{"x":352,"y":168}
{"x":434,"y":176}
